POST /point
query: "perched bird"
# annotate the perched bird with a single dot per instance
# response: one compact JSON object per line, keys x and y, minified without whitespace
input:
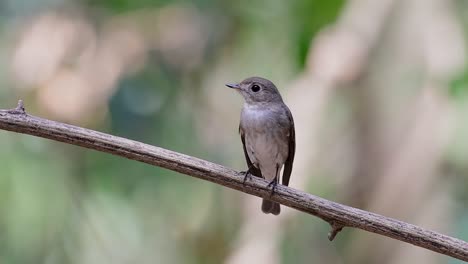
{"x":267,"y":133}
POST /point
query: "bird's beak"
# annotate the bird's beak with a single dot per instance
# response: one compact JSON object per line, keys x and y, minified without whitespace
{"x":233,"y":85}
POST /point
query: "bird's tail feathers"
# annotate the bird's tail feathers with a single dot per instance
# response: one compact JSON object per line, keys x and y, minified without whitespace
{"x":269,"y":207}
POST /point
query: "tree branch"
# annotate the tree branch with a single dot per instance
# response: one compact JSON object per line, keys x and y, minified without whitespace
{"x":336,"y":214}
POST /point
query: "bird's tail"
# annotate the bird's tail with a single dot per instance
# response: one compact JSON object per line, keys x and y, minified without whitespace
{"x":269,"y":207}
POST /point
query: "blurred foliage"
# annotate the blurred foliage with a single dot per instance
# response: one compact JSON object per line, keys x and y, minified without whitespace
{"x":311,"y":17}
{"x":59,"y":204}
{"x":149,"y":67}
{"x":459,"y":85}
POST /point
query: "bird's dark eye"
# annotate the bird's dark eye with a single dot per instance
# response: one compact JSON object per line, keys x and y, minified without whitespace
{"x":255,"y":88}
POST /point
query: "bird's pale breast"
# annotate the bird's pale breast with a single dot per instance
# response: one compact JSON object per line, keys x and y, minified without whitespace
{"x":266,"y":131}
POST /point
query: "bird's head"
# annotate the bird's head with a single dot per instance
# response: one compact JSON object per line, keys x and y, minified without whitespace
{"x":257,"y":90}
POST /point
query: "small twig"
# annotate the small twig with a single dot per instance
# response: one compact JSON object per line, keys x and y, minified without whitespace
{"x":327,"y":210}
{"x":335,"y":229}
{"x":19,"y":109}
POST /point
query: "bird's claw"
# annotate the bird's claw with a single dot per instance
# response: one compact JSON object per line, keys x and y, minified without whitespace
{"x":246,"y":175}
{"x":272,"y":184}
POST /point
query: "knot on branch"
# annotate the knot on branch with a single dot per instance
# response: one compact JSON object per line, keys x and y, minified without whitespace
{"x":19,"y":110}
{"x":336,"y":228}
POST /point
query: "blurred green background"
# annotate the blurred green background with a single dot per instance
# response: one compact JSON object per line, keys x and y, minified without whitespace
{"x":378,"y":90}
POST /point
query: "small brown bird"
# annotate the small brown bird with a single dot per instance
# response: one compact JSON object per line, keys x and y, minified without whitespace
{"x":267,"y":134}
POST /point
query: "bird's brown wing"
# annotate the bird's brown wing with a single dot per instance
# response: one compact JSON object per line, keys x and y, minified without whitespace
{"x":288,"y":165}
{"x":251,"y":168}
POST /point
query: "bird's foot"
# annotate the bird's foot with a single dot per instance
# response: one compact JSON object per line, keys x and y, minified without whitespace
{"x":273,"y":185}
{"x":247,"y":174}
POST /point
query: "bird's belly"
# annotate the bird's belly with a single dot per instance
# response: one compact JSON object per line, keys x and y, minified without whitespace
{"x":266,"y":139}
{"x":266,"y":152}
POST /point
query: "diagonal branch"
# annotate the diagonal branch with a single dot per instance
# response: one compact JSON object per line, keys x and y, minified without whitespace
{"x":336,"y":214}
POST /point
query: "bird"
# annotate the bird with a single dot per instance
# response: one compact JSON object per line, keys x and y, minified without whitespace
{"x":267,"y":133}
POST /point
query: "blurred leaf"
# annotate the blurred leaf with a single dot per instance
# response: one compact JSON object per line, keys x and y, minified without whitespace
{"x":124,"y":5}
{"x":459,"y":86}
{"x":313,"y":15}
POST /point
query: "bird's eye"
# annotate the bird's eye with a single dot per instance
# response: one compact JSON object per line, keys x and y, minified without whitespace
{"x":255,"y":88}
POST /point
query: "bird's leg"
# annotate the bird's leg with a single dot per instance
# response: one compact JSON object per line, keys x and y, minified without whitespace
{"x":247,"y":174}
{"x":272,"y":184}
